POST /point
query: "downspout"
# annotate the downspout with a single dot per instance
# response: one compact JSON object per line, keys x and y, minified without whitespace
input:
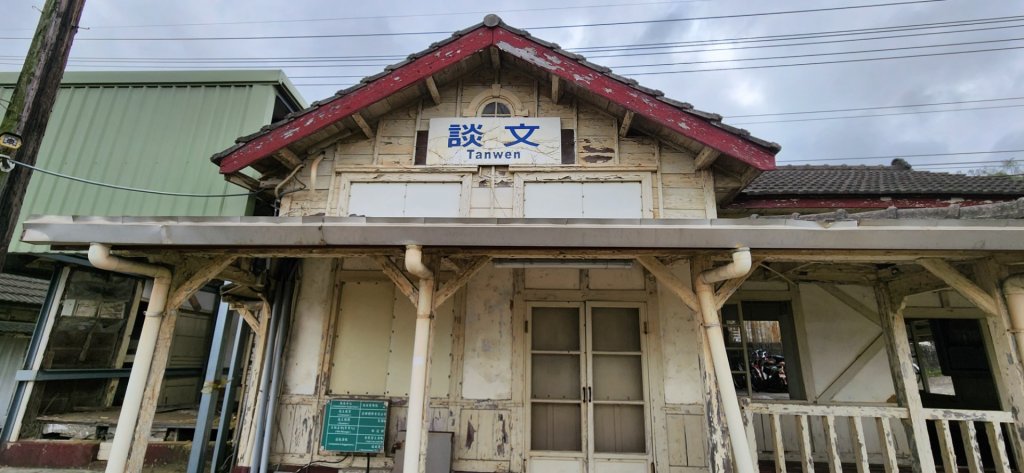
{"x":739,"y":266}
{"x":1013,"y":287}
{"x":415,"y":439}
{"x":256,"y":446}
{"x":100,"y":257}
{"x":280,"y":338}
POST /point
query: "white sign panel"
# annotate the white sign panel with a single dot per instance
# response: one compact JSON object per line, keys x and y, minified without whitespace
{"x":494,"y":141}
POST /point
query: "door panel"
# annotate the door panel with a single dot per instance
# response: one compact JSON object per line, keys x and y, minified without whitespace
{"x":588,"y":387}
{"x":555,"y":465}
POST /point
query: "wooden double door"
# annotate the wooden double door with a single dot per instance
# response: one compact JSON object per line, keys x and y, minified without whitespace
{"x":589,"y":409}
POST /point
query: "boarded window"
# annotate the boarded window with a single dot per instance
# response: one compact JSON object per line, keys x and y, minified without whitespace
{"x":404,"y":199}
{"x":583,"y":200}
{"x":420,"y":157}
{"x":568,"y":146}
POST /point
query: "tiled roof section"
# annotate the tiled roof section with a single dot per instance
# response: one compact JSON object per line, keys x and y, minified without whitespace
{"x":713,"y":118}
{"x":1012,"y":210}
{"x":23,"y":290}
{"x":877,"y":180}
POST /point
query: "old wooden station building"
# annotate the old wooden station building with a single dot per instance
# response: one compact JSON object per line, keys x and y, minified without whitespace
{"x":498,"y":256}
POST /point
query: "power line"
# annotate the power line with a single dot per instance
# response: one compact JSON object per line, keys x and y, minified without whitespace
{"x":382,"y":17}
{"x":918,"y":112}
{"x":416,"y":33}
{"x":844,"y":61}
{"x":873,"y":108}
{"x":320,"y":59}
{"x":637,"y":46}
{"x":818,"y":34}
{"x":894,"y":156}
{"x":119,"y":187}
{"x":838,"y":53}
{"x":812,"y":43}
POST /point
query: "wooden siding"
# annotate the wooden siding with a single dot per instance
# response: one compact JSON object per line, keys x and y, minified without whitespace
{"x":675,"y":188}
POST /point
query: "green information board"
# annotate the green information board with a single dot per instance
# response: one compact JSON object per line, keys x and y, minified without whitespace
{"x":354,"y":426}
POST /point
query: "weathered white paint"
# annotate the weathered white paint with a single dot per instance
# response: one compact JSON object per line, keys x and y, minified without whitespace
{"x":405,"y":199}
{"x":487,"y":364}
{"x":312,"y":307}
{"x":835,"y":335}
{"x":359,"y":362}
{"x":680,"y":346}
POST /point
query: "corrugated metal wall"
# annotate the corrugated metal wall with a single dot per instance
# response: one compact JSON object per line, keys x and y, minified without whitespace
{"x":12,"y":355}
{"x":148,"y":136}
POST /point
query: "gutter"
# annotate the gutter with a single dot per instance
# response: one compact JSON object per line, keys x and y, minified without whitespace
{"x":416,"y":420}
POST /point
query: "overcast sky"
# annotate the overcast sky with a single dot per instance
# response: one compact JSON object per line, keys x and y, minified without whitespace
{"x":923,"y":80}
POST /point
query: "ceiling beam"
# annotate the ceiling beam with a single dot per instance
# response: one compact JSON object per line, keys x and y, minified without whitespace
{"x":960,"y":283}
{"x":705,"y":158}
{"x":361,"y":122}
{"x":288,"y":158}
{"x":239,"y":179}
{"x":495,"y":58}
{"x":435,"y":95}
{"x":627,"y":121}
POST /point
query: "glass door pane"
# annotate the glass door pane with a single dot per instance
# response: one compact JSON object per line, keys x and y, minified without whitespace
{"x":556,"y":379}
{"x":616,"y":388}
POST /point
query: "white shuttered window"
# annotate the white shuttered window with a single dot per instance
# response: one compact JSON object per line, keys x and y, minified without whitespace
{"x":404,"y":199}
{"x":583,"y":200}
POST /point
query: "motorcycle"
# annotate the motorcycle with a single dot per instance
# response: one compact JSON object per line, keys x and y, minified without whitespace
{"x":768,"y":372}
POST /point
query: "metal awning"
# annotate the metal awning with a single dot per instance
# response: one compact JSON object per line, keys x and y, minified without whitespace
{"x":326,"y":232}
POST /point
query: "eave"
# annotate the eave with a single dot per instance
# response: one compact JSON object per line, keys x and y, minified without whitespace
{"x":676,"y":116}
{"x":253,"y":235}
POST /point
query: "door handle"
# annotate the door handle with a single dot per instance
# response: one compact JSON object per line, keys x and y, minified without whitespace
{"x":590,"y":394}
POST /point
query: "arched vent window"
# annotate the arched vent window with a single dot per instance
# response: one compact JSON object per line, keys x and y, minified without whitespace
{"x":495,"y":108}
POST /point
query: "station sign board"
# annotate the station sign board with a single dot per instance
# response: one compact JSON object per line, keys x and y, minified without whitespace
{"x":484,"y":141}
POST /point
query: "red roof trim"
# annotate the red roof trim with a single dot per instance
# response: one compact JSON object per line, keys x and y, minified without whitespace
{"x":860,"y":202}
{"x":346,"y":105}
{"x":644,"y":104}
{"x":519,"y":46}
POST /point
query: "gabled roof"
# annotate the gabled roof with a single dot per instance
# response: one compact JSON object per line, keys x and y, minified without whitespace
{"x":682,"y":118}
{"x":892,"y":180}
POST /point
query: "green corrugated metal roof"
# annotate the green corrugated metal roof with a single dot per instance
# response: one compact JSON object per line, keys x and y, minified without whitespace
{"x":152,"y":130}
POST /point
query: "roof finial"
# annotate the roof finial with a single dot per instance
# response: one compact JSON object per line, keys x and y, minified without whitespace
{"x":901,"y":164}
{"x":492,"y":20}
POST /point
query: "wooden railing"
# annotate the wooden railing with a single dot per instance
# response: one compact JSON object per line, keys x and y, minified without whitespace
{"x":837,"y":434}
{"x":992,"y":421}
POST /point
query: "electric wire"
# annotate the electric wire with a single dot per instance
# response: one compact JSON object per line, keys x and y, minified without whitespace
{"x":846,"y":117}
{"x":812,"y":43}
{"x":902,"y":156}
{"x":384,"y":17}
{"x":818,"y":63}
{"x":804,"y":112}
{"x":120,"y":187}
{"x":837,"y":53}
{"x":548,"y":27}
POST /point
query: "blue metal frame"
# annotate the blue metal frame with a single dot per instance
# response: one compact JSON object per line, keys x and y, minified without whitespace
{"x":208,"y":401}
{"x":31,"y":353}
{"x":227,"y":408}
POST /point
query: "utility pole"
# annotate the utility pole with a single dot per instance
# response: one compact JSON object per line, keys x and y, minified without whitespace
{"x":30,"y":105}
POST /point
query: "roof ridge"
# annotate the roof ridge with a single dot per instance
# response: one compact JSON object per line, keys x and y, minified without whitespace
{"x":764,"y":160}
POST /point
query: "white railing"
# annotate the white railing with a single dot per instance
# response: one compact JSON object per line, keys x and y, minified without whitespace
{"x":865,"y":435}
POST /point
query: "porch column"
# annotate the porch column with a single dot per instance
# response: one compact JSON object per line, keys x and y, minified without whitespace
{"x":1009,"y":366}
{"x":897,"y":348}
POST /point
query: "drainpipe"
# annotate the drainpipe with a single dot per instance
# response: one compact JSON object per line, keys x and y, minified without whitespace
{"x":100,"y":257}
{"x":1013,"y":287}
{"x":280,"y":338}
{"x":739,"y":266}
{"x":415,"y":423}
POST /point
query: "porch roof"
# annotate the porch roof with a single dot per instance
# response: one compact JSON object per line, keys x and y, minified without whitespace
{"x":212,"y":233}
